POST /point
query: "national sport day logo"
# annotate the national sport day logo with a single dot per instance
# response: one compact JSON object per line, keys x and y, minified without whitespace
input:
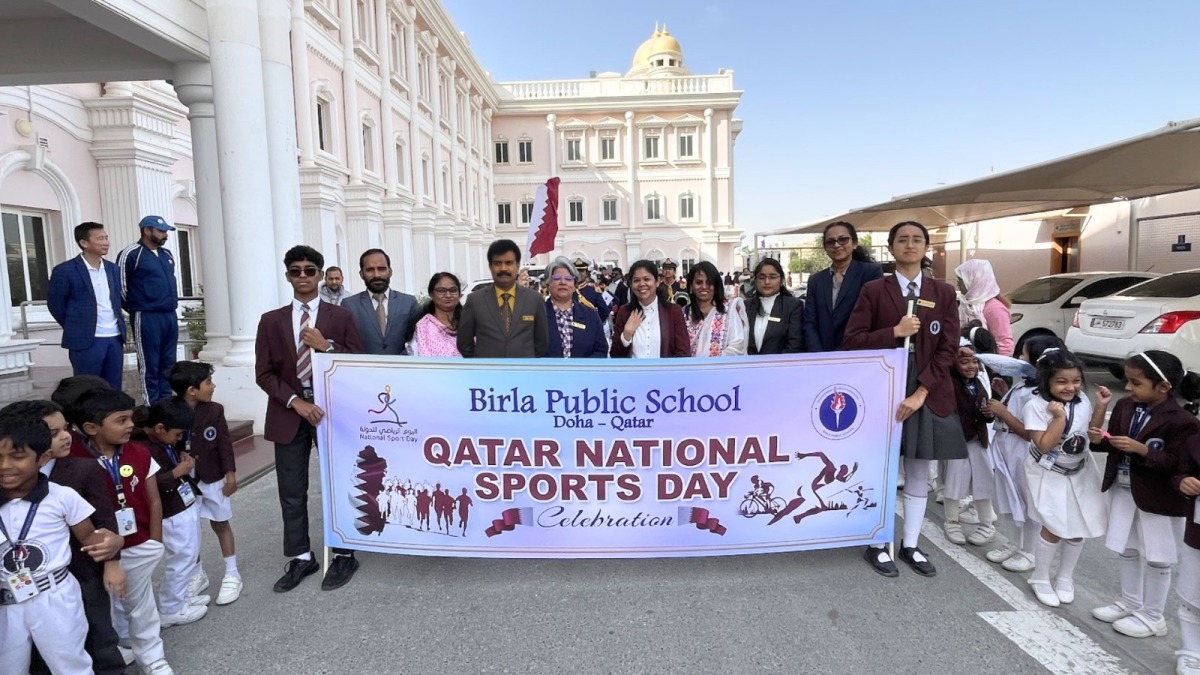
{"x":836,"y":412}
{"x":386,"y":401}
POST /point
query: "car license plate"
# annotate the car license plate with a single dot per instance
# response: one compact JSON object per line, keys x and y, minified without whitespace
{"x":1110,"y":324}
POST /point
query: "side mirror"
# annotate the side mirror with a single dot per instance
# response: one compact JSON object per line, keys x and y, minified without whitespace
{"x":1077,"y":300}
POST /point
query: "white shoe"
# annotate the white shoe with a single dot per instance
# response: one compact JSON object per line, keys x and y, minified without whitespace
{"x":188,"y":614}
{"x":1045,"y":593}
{"x":1112,"y":613}
{"x":159,"y":667}
{"x":1139,"y":625}
{"x":1187,"y":663}
{"x":197,"y":584}
{"x":984,"y":534}
{"x":954,"y":532}
{"x":969,"y":515}
{"x":1019,"y":562}
{"x":126,"y":655}
{"x":900,"y":482}
{"x":200,"y":600}
{"x":940,"y":497}
{"x":231,"y":589}
{"x":1065,"y":590}
{"x":999,"y":555}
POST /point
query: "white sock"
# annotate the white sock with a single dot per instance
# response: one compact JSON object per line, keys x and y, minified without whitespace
{"x":1131,"y":578}
{"x":1158,"y":587}
{"x":231,"y":569}
{"x":305,"y":556}
{"x":914,"y":515}
{"x":1010,"y":530}
{"x":953,"y":510}
{"x":1043,"y":559}
{"x":1030,"y":533}
{"x":987,"y":515}
{"x":1071,"y":550}
{"x":1189,"y":626}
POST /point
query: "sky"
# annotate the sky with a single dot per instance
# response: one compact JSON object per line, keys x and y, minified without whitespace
{"x":851,"y":103}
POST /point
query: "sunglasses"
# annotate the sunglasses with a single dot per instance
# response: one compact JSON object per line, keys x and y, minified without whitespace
{"x":840,"y":241}
{"x":297,"y":272}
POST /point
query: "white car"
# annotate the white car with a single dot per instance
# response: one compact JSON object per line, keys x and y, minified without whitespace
{"x":1162,"y":313}
{"x":1046,"y":306}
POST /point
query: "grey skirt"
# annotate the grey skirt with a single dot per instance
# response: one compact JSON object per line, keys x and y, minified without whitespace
{"x":928,"y":436}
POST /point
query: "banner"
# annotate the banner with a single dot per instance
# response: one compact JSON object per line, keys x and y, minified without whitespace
{"x":556,"y":458}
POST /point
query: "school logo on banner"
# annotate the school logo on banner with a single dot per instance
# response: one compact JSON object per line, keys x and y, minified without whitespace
{"x":836,"y":412}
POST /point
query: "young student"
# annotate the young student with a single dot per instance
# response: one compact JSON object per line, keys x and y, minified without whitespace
{"x":86,"y":478}
{"x":970,"y":477}
{"x":40,"y":602}
{"x":1187,"y":482}
{"x":163,"y":425}
{"x":1008,"y":450}
{"x":210,"y":445}
{"x":1062,"y":479}
{"x":106,"y":419}
{"x":1145,"y":515}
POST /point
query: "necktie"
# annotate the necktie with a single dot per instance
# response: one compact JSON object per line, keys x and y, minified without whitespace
{"x":381,"y":311}
{"x":912,"y":291}
{"x":505,"y":310}
{"x":304,"y":353}
{"x":1139,"y":421}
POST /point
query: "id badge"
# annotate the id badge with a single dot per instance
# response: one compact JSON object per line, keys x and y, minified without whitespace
{"x":21,"y":584}
{"x":1047,"y":461}
{"x":1196,"y":513}
{"x":1123,"y":472}
{"x":126,"y":522}
{"x":186,"y":493}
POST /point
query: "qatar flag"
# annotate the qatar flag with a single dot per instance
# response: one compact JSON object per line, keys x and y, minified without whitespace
{"x":543,"y":226}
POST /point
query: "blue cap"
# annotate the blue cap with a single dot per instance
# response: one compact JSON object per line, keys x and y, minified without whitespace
{"x":156,"y":222}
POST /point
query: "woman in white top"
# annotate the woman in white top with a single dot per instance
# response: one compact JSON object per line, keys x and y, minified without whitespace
{"x":648,"y":326}
{"x":715,"y":327}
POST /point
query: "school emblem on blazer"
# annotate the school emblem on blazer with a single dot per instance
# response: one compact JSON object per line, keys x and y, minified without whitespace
{"x":837,"y":412}
{"x":210,"y":434}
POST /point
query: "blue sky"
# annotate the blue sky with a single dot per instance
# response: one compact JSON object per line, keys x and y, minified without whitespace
{"x":850,"y":103}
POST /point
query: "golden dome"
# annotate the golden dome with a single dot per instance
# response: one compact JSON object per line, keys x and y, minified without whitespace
{"x":661,"y":41}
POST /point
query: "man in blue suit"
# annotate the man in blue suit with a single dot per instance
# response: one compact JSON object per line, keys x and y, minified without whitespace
{"x":85,"y":299}
{"x":385,"y":319}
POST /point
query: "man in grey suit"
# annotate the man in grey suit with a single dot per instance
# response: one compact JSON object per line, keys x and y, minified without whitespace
{"x":503,"y":319}
{"x":385,"y":318}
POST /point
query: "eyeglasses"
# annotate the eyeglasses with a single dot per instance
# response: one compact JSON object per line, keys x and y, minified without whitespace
{"x":839,"y":241}
{"x":561,"y":277}
{"x":446,"y":291}
{"x":297,"y":272}
{"x":769,"y":277}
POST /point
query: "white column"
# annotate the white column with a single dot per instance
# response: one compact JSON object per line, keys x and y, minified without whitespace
{"x":245,"y":169}
{"x":550,"y":138}
{"x":416,"y":178}
{"x":300,"y":83}
{"x":193,"y":86}
{"x":353,"y":133}
{"x":383,"y":38}
{"x":710,"y":183}
{"x":631,"y":158}
{"x":280,"y":102}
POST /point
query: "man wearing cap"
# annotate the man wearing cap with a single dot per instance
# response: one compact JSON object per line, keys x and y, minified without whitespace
{"x":587,"y":288}
{"x":668,"y":278}
{"x":149,"y":293}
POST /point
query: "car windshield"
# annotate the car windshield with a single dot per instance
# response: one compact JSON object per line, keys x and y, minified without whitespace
{"x":1041,"y":291}
{"x":1178,"y":285}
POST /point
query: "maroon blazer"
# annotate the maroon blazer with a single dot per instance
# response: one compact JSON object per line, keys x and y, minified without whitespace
{"x":671,"y":327}
{"x":87,"y":478}
{"x":210,"y":442}
{"x":1150,"y":477}
{"x":1189,"y":465}
{"x":275,"y":361}
{"x":880,"y":307}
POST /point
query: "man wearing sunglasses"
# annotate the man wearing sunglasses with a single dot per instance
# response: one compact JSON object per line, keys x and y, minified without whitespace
{"x":287,"y":339}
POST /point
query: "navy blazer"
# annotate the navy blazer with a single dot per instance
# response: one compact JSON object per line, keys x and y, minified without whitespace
{"x":403,"y":312}
{"x":824,"y":320}
{"x":72,"y":301}
{"x":587,"y":335}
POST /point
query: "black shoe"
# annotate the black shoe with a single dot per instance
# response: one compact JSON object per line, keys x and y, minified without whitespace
{"x":880,"y":561}
{"x":297,"y":569}
{"x":340,"y":570}
{"x":918,"y":561}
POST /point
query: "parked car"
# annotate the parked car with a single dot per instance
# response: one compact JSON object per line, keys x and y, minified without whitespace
{"x":1046,"y":306}
{"x":1162,"y":313}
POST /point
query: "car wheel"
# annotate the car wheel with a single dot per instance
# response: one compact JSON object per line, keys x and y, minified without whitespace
{"x":1117,"y":372}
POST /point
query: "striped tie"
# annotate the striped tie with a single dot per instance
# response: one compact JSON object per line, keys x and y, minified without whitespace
{"x":304,"y":353}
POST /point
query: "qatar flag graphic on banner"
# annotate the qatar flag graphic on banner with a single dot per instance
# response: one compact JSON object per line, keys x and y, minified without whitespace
{"x":543,"y":226}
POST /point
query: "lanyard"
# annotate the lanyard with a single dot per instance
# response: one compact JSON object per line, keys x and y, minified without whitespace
{"x":1141,"y":415}
{"x":171,"y":454}
{"x":113,"y":468}
{"x":1070,"y":417}
{"x":33,"y":507}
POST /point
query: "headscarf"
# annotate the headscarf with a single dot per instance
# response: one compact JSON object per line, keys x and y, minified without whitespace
{"x":980,"y":280}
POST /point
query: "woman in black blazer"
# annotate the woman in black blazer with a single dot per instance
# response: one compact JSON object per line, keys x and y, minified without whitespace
{"x":832,"y":292}
{"x":776,"y":316}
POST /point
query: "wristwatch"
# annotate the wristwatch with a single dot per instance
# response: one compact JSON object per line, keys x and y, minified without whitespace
{"x":331,"y":348}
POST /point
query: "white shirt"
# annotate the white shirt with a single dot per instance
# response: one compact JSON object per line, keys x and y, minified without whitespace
{"x":1037,"y":418}
{"x":647,"y":339}
{"x":50,"y":532}
{"x":765,"y":304}
{"x":297,"y":312}
{"x":45,"y":471}
{"x":106,"y":320}
{"x":904,"y":281}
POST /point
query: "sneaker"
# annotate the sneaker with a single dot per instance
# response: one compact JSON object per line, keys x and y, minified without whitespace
{"x":969,"y":515}
{"x":999,"y":555}
{"x":1019,"y":562}
{"x":1045,"y":593}
{"x":1139,"y":625}
{"x":1065,"y":590}
{"x":197,"y":584}
{"x":231,"y":589}
{"x":1112,"y":613}
{"x":126,"y":655}
{"x":940,"y":497}
{"x":159,"y":667}
{"x":954,"y":532}
{"x":189,"y":614}
{"x":200,"y":600}
{"x":294,"y":573}
{"x":1187,"y":663}
{"x":984,"y":534}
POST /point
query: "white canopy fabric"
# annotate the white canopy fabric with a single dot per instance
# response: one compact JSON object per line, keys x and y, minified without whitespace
{"x":1160,"y":162}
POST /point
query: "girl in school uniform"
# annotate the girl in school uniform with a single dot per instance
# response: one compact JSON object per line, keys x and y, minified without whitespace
{"x":1145,"y":516}
{"x":1008,"y":450}
{"x":1187,"y":481}
{"x":1062,"y":479}
{"x":970,"y":477}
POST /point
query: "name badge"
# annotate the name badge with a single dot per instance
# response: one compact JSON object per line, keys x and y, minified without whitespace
{"x":126,"y":522}
{"x":21,"y":584}
{"x":1047,"y":461}
{"x":1196,"y":515}
{"x":527,"y":317}
{"x":576,"y":324}
{"x":1123,"y":472}
{"x":186,"y":493}
{"x":773,"y":318}
{"x":926,"y":303}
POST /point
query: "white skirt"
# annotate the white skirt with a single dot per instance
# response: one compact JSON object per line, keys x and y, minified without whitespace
{"x":1008,"y":452}
{"x":1070,"y":507}
{"x":1156,"y":537}
{"x":1188,"y":584}
{"x":970,"y":477}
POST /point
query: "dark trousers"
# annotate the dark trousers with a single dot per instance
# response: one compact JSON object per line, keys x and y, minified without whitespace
{"x":156,"y":335}
{"x":104,"y":358}
{"x":291,"y":472}
{"x":101,"y":641}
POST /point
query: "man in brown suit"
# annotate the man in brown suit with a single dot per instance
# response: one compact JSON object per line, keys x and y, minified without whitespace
{"x":503,"y":319}
{"x":287,"y":338}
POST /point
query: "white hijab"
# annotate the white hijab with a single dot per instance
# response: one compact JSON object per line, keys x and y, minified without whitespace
{"x":980,"y":280}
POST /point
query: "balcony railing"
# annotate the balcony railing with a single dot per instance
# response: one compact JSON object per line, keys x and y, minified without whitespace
{"x":596,"y":87}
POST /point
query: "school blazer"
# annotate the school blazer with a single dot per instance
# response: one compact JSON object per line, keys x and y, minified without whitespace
{"x":586,"y":342}
{"x":672,"y":329}
{"x":72,"y":302}
{"x":275,"y":361}
{"x":1189,"y":465}
{"x":402,"y":315}
{"x":1150,"y":476}
{"x":211,"y":443}
{"x":481,"y":332}
{"x":880,"y":307}
{"x":87,"y":478}
{"x":785,"y":326}
{"x":824,"y":319}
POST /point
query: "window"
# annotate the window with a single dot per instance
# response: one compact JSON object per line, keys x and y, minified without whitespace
{"x":364,"y":22}
{"x":446,"y":188}
{"x":183,"y":244}
{"x":422,"y":75}
{"x":608,"y":149}
{"x":502,"y":152}
{"x":324,"y":124}
{"x":687,"y":260}
{"x":526,"y":212}
{"x":504,"y":213}
{"x":444,"y":95}
{"x":525,"y":151}
{"x":28,"y":257}
{"x":609,"y":210}
{"x":687,"y":207}
{"x":399,"y":52}
{"x":574,"y":150}
{"x":401,"y":165}
{"x":651,"y":147}
{"x":426,"y":181}
{"x":687,"y":145}
{"x":575,"y":211}
{"x":653,"y":207}
{"x":368,"y":146}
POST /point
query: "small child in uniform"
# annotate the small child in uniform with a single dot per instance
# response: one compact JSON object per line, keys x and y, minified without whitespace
{"x":1187,"y":481}
{"x":1062,"y":479}
{"x":971,"y":477}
